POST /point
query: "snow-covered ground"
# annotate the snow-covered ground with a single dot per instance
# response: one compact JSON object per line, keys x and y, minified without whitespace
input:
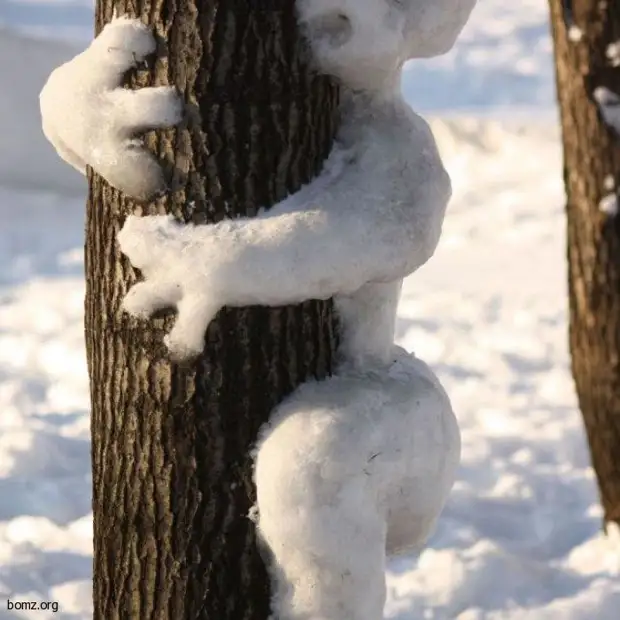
{"x":519,"y":539}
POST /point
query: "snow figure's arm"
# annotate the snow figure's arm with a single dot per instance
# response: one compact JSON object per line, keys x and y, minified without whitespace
{"x":90,"y":119}
{"x":374,"y":215}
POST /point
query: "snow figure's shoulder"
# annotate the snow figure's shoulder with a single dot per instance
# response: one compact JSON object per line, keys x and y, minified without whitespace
{"x":92,"y":121}
{"x":397,"y":171}
{"x":372,"y":123}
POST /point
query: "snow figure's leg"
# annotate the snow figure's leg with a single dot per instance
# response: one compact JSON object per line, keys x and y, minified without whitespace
{"x":348,"y":468}
{"x":330,"y":563}
{"x":319,"y":518}
{"x":345,"y":577}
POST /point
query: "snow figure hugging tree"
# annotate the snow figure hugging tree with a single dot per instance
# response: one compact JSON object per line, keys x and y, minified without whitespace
{"x":357,"y":467}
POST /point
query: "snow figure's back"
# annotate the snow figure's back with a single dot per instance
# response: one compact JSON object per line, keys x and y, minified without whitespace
{"x":357,"y":467}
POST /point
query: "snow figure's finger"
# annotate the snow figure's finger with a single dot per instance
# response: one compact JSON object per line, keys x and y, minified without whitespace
{"x":144,"y":239}
{"x":138,"y":111}
{"x":131,"y":168}
{"x":146,"y":298}
{"x":123,"y":43}
{"x":186,"y":339}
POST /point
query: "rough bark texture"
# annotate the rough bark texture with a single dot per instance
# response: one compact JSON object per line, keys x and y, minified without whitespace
{"x":592,"y":154}
{"x":172,"y":483}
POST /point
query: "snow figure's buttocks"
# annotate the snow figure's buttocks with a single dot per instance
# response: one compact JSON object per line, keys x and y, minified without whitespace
{"x":357,"y":467}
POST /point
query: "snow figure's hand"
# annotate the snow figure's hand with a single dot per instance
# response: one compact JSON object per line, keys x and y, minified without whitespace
{"x":161,"y":249}
{"x":91,"y":120}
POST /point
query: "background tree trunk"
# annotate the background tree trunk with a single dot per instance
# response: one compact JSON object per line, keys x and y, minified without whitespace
{"x":171,"y":444}
{"x":591,"y":161}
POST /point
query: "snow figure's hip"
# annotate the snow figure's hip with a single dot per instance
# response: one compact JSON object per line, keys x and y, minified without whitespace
{"x":389,"y":433}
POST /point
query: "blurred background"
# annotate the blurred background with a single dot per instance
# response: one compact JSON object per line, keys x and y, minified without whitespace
{"x":520,"y":537}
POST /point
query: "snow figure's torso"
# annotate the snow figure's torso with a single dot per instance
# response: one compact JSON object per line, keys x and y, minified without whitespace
{"x":367,"y":322}
{"x":389,"y":147}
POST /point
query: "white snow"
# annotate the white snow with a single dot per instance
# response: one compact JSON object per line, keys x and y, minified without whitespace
{"x":575,"y":34}
{"x":346,"y":463}
{"x":609,"y":204}
{"x":359,"y":40}
{"x":500,"y":65}
{"x":613,"y":53}
{"x":519,"y":537}
{"x":609,"y":182}
{"x":91,"y":120}
{"x":609,"y":106}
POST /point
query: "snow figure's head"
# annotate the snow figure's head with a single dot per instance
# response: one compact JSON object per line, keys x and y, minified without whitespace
{"x":366,"y":42}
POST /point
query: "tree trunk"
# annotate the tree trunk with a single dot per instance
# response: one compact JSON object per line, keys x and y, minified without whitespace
{"x":583,"y":31}
{"x":171,"y":444}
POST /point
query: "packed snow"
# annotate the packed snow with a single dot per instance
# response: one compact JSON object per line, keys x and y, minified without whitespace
{"x":520,"y":536}
{"x":613,"y":53}
{"x":91,"y":120}
{"x":609,"y":105}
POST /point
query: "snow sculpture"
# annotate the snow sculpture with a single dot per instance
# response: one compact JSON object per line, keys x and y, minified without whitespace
{"x":358,"y":466}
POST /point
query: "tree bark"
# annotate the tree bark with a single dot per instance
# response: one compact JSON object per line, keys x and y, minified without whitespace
{"x":171,"y":444}
{"x":591,"y":161}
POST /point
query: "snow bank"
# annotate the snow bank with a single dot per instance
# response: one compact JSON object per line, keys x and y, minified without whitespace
{"x":520,"y":537}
